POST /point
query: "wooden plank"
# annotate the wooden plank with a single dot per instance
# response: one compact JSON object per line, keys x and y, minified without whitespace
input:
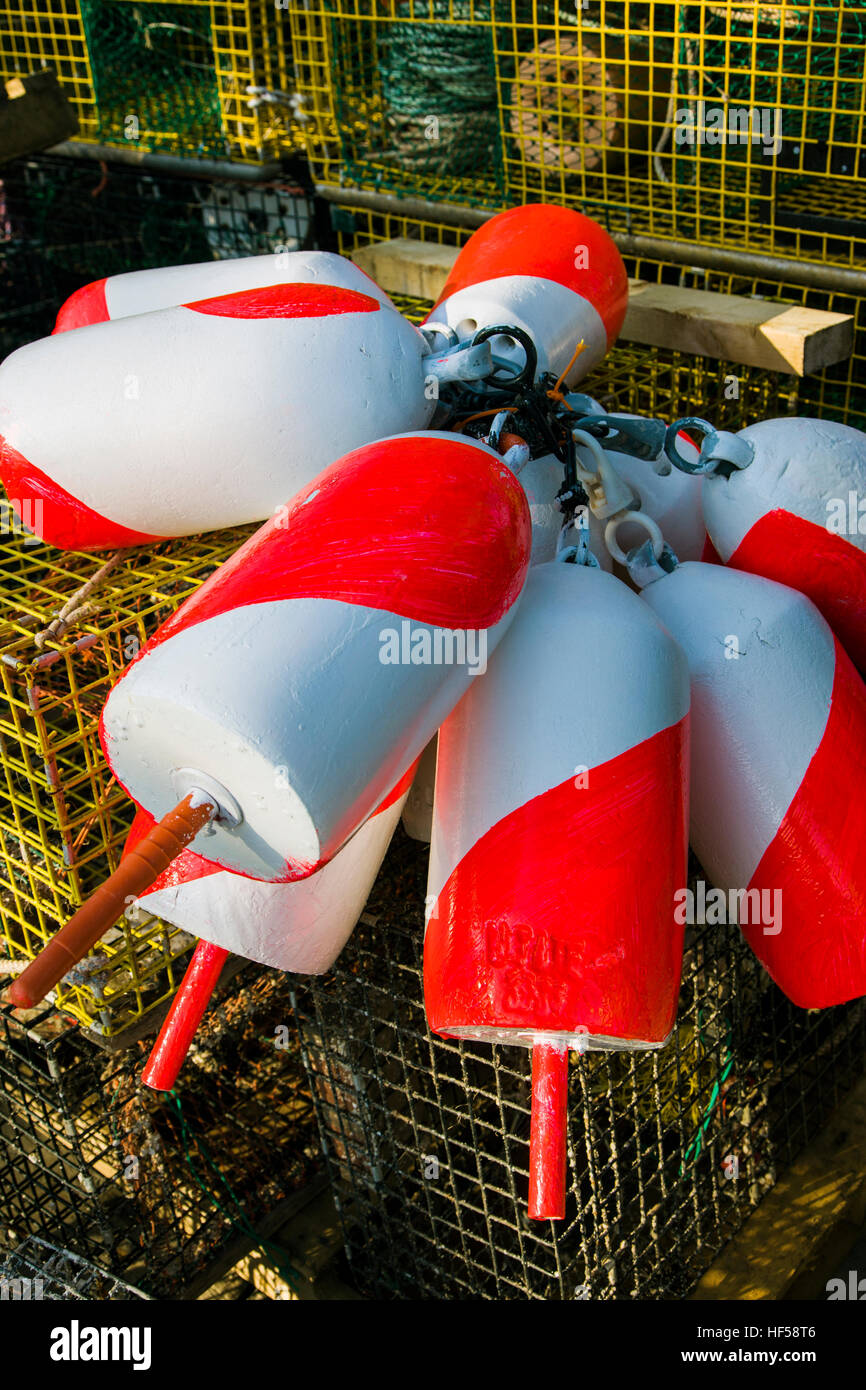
{"x":752,"y":332}
{"x":732,"y":328}
{"x":403,"y":266}
{"x":805,"y":1226}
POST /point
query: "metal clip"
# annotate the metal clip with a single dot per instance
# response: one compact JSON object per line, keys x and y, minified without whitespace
{"x":721,"y":451}
{"x":608,"y":493}
{"x":641,"y":438}
{"x":645,"y":567}
{"x":473,"y":362}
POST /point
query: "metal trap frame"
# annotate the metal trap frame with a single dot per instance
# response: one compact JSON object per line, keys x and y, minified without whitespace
{"x":185,"y":79}
{"x":36,"y":1270}
{"x":68,"y":220}
{"x":155,"y":1188}
{"x":427,"y":1140}
{"x":63,"y":818}
{"x":618,"y":108}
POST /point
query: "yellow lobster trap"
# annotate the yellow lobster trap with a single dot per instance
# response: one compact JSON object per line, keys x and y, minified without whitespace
{"x":196,"y":79}
{"x":69,"y":624}
{"x":719,"y":123}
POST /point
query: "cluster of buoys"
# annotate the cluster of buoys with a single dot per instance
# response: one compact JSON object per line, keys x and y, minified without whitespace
{"x":455,"y":545}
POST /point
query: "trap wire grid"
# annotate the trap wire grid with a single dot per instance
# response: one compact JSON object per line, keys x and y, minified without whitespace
{"x":66,"y":221}
{"x":494,"y":102}
{"x":63,"y":818}
{"x":200,"y":79}
{"x":427,"y":1140}
{"x":151,"y":1187}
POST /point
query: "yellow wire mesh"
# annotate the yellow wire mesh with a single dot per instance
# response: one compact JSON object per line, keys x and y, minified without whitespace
{"x":721,"y":123}
{"x":63,"y":819}
{"x":191,"y":78}
{"x":31,"y":39}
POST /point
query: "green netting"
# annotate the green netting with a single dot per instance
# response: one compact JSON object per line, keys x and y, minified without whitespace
{"x":417,"y":102}
{"x":154,"y":76}
{"x":810,"y":61}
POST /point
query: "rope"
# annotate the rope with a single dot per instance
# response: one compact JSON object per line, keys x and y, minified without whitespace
{"x":439,"y":95}
{"x":241,"y":1222}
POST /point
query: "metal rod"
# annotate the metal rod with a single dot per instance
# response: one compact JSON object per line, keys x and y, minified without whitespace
{"x":754,"y":264}
{"x":173,"y":164}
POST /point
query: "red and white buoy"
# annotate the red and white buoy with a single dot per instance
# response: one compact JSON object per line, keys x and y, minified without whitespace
{"x":547,"y":270}
{"x":268,"y":718}
{"x":310,"y":671}
{"x":204,"y":416}
{"x":559,"y":842}
{"x":778,"y":773}
{"x":298,"y":927}
{"x":797,"y":514}
{"x":164,"y":287}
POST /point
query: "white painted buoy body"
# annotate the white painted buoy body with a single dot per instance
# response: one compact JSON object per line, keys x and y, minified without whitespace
{"x":545,"y":269}
{"x":778,"y":773}
{"x":142,"y":291}
{"x":797,"y":514}
{"x":418,"y":809}
{"x":311,"y":670}
{"x":204,"y":416}
{"x":300,"y":927}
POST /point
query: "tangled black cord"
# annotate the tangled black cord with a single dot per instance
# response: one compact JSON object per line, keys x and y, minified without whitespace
{"x":536,"y":412}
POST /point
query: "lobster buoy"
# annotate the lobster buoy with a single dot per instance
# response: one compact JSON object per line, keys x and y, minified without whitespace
{"x":797,"y":514}
{"x":559,"y":842}
{"x":310,"y":671}
{"x":204,"y":416}
{"x":418,"y":808}
{"x":778,"y":773}
{"x":299,"y":927}
{"x":547,"y":270}
{"x":142,"y":291}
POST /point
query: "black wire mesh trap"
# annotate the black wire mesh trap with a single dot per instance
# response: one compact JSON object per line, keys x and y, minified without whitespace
{"x":151,"y":1188}
{"x":66,"y":221}
{"x":39,"y":1270}
{"x":427,"y":1140}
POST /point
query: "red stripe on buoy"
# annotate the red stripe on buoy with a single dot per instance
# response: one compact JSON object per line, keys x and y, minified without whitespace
{"x":400,"y":789}
{"x":546,"y":924}
{"x":87,"y":305}
{"x":289,"y":301}
{"x":57,"y":517}
{"x":357,"y":532}
{"x":709,"y":554}
{"x":546,"y":240}
{"x":821,"y":564}
{"x":817,"y":861}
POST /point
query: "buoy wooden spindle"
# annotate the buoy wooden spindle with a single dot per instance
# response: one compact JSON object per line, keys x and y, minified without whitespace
{"x":151,"y":857}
